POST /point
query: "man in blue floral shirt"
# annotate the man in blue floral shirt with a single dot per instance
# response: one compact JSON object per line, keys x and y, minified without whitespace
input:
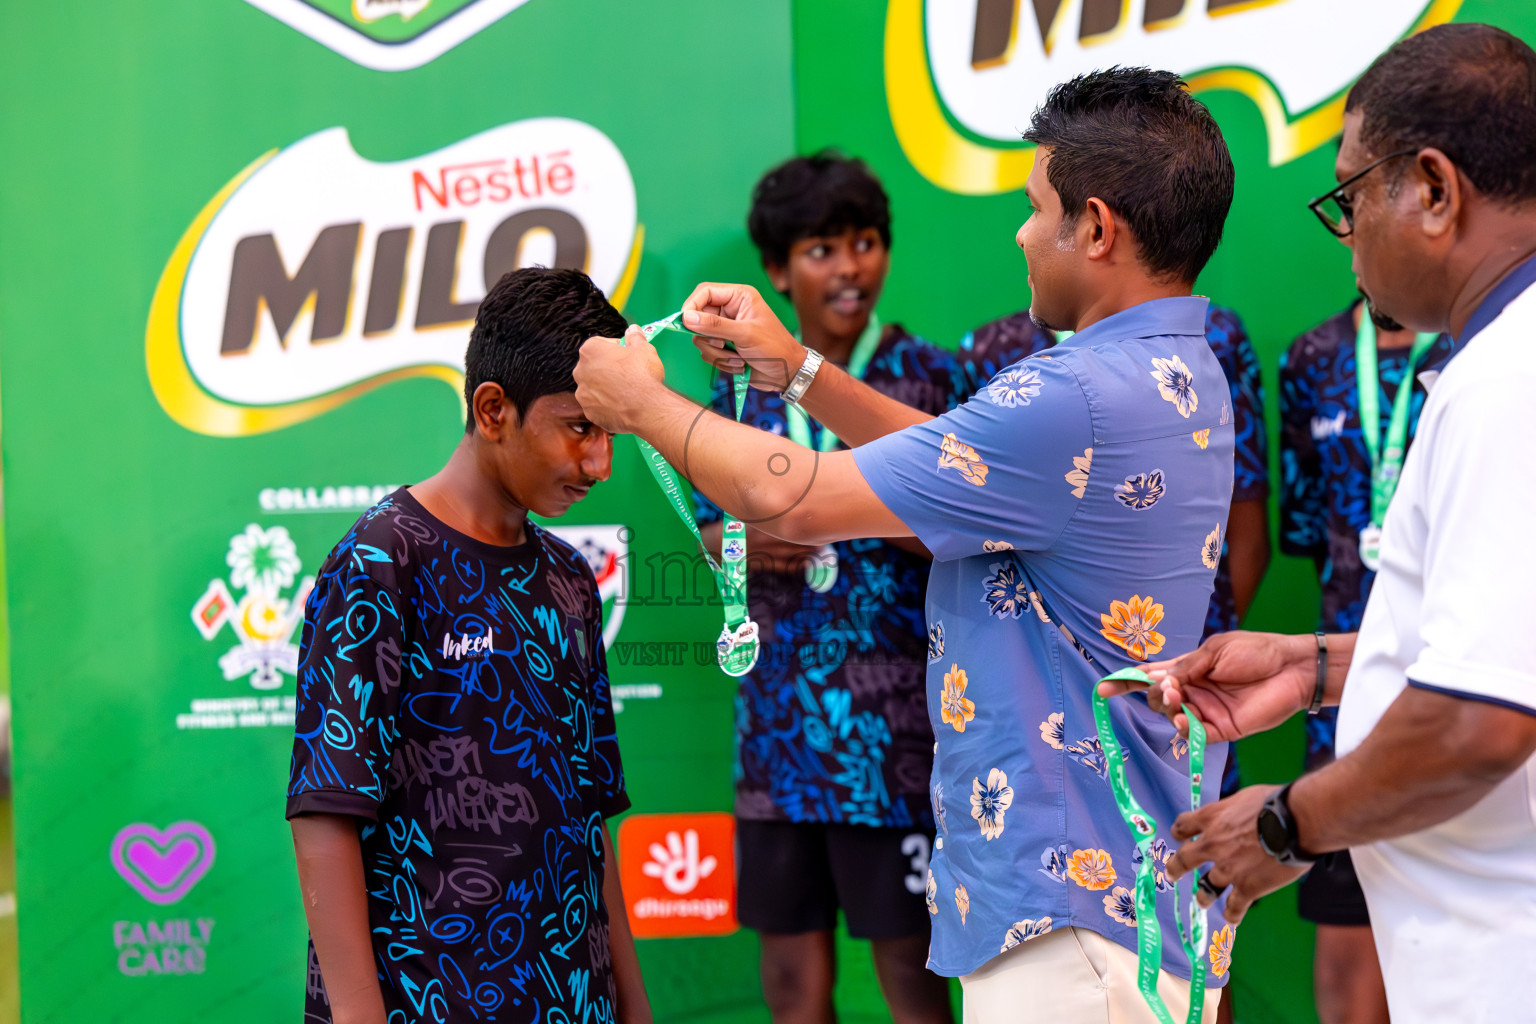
{"x":833,"y":745}
{"x":1245,"y":551}
{"x":1076,"y":508}
{"x":1325,"y":504}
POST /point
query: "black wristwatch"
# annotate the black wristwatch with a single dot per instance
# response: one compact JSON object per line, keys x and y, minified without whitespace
{"x":1277,"y":831}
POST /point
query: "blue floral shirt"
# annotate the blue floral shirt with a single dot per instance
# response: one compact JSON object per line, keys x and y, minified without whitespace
{"x":1110,"y":513}
{"x":1325,"y":498}
{"x":830,"y":724}
{"x":1002,"y":342}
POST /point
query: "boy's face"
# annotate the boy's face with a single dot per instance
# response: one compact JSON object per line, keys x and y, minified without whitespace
{"x":548,"y":459}
{"x":834,"y":281}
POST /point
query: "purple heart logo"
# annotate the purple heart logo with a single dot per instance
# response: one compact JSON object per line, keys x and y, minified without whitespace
{"x":163,"y":866}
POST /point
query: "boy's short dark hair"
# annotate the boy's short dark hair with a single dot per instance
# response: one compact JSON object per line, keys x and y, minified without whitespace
{"x":528,"y":334}
{"x":1466,"y":90}
{"x":810,"y":196}
{"x":1138,"y":140}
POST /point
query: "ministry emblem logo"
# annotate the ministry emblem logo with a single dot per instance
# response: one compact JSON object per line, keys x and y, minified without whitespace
{"x":264,"y":566}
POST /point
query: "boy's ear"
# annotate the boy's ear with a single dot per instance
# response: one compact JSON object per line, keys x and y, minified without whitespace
{"x":778,"y":276}
{"x":494,"y":414}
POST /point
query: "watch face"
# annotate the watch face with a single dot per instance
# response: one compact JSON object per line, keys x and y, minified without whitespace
{"x":1272,"y":832}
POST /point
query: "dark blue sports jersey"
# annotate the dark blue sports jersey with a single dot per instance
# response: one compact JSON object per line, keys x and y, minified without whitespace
{"x":1001,"y":343}
{"x":1325,"y":498}
{"x":832,"y":724}
{"x":453,"y":697}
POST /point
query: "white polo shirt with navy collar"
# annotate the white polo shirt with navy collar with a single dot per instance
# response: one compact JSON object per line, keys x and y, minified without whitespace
{"x":1453,"y":907}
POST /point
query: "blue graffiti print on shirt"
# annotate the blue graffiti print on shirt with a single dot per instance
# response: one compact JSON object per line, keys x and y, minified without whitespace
{"x":453,"y":697}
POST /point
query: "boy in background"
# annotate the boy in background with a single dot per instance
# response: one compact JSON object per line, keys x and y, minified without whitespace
{"x":1325,"y":509}
{"x":833,"y":744}
{"x":455,"y":755}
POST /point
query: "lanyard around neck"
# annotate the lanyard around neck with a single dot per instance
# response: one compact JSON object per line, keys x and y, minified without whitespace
{"x":1386,"y":460}
{"x":799,"y":423}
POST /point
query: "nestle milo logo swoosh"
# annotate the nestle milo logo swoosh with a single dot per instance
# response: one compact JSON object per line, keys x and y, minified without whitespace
{"x":315,"y":275}
{"x":388,"y":35}
{"x":962,"y":76}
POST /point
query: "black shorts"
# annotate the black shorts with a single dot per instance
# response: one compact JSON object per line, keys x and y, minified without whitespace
{"x":792,"y":878}
{"x":1331,"y":894}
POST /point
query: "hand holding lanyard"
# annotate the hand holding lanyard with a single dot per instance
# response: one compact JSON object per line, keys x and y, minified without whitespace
{"x":1387,"y":462}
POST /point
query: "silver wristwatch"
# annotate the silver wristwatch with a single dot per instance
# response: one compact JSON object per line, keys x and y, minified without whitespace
{"x":803,"y":377}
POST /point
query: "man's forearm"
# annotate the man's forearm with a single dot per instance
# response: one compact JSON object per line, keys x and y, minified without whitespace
{"x":330,"y":863}
{"x":1430,"y":757}
{"x":763,"y":479}
{"x":729,"y":461}
{"x":854,"y":411}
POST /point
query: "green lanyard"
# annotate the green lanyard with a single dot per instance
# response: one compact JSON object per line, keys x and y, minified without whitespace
{"x":1149,"y":931}
{"x":1387,"y":463}
{"x":795,"y":418}
{"x":737,"y":647}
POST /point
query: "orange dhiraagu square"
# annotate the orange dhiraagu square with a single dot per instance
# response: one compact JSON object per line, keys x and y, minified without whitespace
{"x":679,"y":874}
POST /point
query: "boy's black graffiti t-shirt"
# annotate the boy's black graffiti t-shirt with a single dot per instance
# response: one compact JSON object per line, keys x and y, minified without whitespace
{"x":453,"y":696}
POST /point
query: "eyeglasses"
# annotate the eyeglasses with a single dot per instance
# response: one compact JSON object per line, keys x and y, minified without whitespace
{"x":1337,"y":210}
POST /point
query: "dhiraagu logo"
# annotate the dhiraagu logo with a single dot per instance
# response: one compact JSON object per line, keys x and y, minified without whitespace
{"x":388,"y":35}
{"x":963,"y":76}
{"x":316,"y":275}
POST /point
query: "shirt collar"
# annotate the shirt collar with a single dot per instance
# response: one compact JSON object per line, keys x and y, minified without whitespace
{"x":1514,"y":282}
{"x":1155,"y":318}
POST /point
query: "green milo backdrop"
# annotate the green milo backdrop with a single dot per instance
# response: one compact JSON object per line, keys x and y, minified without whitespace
{"x":242,"y":243}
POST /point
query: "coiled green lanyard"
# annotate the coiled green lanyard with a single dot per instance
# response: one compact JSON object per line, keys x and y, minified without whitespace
{"x":737,"y":647}
{"x":1149,"y":931}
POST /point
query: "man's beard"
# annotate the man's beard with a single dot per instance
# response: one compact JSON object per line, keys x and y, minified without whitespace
{"x":1380,"y":319}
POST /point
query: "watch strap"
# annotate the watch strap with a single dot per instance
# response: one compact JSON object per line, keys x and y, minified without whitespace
{"x":801,"y":381}
{"x":1290,"y":854}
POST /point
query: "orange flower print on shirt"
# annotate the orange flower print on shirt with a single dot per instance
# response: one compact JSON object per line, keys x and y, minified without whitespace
{"x":954,"y":708}
{"x":1130,"y":625}
{"x":1202,"y":437}
{"x":962,"y":902}
{"x":1221,"y":951}
{"x":956,"y":454}
{"x":1091,"y":869}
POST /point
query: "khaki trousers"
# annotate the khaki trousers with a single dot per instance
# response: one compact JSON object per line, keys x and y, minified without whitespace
{"x":1071,"y":976}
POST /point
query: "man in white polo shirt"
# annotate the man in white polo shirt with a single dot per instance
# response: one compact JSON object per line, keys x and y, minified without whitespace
{"x":1434,"y":791}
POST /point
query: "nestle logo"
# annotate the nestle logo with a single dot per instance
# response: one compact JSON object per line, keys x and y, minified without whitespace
{"x":467,"y":646}
{"x":496,"y":181}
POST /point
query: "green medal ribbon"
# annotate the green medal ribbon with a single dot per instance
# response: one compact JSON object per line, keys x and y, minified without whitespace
{"x":737,"y":646}
{"x":1386,"y":462}
{"x":1149,"y":932}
